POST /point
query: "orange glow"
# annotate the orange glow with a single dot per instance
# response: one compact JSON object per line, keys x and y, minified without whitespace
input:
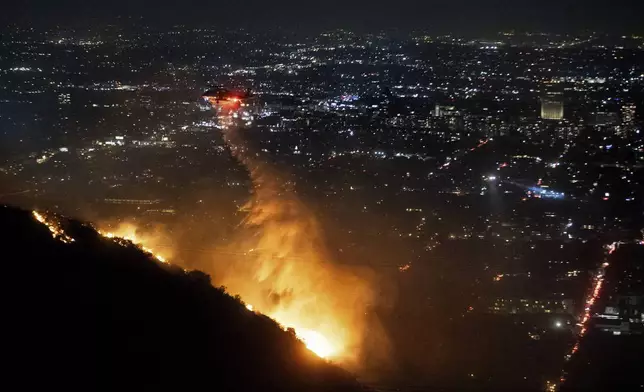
{"x":290,"y":291}
{"x":315,"y":342}
{"x":148,"y":242}
{"x":53,"y":226}
{"x":278,"y":263}
{"x":284,"y":270}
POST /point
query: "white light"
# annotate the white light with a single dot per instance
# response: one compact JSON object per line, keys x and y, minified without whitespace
{"x":558,"y":324}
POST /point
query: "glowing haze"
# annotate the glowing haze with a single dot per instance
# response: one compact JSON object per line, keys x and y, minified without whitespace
{"x":152,"y":241}
{"x":278,"y":265}
{"x":283,"y":269}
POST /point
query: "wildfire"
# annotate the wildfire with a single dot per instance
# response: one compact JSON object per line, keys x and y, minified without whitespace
{"x":315,"y":342}
{"x":145,"y":241}
{"x":274,"y":285}
{"x":286,"y":274}
{"x":53,"y":226}
{"x":326,"y":339}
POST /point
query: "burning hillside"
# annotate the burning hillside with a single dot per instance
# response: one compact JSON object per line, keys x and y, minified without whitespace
{"x":277,"y":264}
{"x":122,"y":321}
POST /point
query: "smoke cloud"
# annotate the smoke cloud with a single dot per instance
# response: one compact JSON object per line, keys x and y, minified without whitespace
{"x":278,"y":263}
{"x":283,"y":268}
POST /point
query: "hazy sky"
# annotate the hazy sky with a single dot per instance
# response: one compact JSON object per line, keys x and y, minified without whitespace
{"x":460,"y":16}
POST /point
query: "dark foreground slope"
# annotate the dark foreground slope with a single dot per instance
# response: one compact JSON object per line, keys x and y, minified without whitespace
{"x":94,"y":315}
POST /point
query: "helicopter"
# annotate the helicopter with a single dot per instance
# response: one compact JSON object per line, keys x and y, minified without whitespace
{"x":221,"y":97}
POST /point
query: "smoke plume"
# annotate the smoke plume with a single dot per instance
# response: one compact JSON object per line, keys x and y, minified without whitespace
{"x":284,"y":270}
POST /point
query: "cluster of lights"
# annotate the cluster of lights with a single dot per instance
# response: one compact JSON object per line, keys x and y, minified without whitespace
{"x":590,"y":300}
{"x":456,"y":156}
{"x":539,"y":192}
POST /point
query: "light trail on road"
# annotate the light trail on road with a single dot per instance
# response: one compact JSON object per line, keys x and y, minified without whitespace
{"x":584,"y":318}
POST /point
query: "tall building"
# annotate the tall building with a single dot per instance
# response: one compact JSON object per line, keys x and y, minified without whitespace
{"x":628,"y":114}
{"x":445,"y":111}
{"x":64,"y":99}
{"x":604,"y":118}
{"x":552,"y":106}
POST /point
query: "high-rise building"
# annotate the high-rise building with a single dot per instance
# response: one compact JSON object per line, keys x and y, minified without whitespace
{"x":552,"y":106}
{"x":445,"y":111}
{"x":64,"y":99}
{"x":604,"y":118}
{"x":628,"y":114}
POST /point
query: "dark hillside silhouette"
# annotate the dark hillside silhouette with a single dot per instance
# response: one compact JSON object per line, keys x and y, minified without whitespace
{"x":94,"y":315}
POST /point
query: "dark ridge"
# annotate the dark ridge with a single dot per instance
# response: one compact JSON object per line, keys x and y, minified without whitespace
{"x":95,"y":315}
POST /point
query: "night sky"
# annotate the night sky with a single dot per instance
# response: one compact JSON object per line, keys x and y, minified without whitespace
{"x":458,"y":16}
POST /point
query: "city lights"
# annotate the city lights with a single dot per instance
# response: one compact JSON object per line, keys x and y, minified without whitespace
{"x":398,"y":202}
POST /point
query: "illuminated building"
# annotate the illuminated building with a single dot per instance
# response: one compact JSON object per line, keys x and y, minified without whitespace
{"x":552,"y":106}
{"x":605,"y":118}
{"x":64,"y":99}
{"x":529,"y":305}
{"x":625,"y":319}
{"x":628,"y":114}
{"x":442,"y":111}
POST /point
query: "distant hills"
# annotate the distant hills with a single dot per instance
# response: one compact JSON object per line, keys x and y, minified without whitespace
{"x":94,"y":315}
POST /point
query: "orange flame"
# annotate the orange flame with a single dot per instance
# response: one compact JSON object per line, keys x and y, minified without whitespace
{"x":149,"y":242}
{"x":286,"y":272}
{"x":53,"y":226}
{"x":280,"y":265}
